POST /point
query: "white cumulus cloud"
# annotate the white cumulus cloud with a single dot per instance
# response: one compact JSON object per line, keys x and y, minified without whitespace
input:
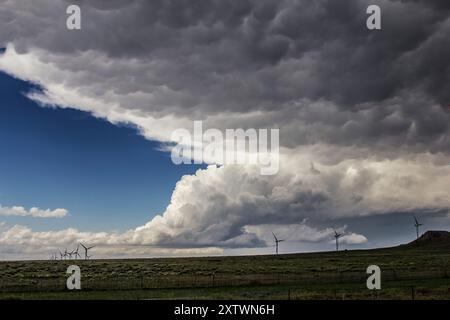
{"x":33,"y":212}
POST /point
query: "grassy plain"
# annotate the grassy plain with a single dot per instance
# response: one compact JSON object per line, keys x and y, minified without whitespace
{"x":407,"y":272}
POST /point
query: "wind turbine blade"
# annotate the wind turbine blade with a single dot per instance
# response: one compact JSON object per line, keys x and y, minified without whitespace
{"x":275,"y":237}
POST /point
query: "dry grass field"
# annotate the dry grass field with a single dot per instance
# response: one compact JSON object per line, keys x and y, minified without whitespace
{"x":419,"y":270}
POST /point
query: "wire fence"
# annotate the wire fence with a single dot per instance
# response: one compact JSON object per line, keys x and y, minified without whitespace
{"x":144,"y":282}
{"x":396,"y":291}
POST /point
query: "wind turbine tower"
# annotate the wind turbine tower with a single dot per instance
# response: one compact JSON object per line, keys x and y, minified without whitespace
{"x":276,"y":242}
{"x":417,"y":225}
{"x":336,"y":237}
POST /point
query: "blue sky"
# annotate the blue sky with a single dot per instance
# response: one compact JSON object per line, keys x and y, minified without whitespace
{"x":108,"y":177}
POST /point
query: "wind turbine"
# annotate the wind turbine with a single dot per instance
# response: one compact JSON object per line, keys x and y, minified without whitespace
{"x":417,"y":225}
{"x":276,"y":242}
{"x":75,"y":252}
{"x":336,"y":237}
{"x":86,"y":251}
{"x":70,"y":254}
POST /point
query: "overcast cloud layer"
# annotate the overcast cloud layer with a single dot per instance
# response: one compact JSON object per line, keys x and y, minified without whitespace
{"x":363,"y":115}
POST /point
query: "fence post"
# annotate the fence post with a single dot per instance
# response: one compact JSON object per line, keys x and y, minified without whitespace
{"x":412,"y":292}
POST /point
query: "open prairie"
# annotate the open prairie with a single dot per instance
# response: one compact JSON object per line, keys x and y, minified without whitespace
{"x":419,"y":270}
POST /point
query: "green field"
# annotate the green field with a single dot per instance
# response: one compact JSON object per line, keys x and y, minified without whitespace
{"x":407,"y":273}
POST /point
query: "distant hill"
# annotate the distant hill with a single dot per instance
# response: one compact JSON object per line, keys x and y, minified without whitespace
{"x":431,"y":239}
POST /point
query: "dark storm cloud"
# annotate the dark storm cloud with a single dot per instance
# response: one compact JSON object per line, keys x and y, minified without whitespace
{"x":272,"y":56}
{"x":351,"y":64}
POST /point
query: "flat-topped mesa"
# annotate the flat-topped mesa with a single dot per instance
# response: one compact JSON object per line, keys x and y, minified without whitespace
{"x":432,"y":238}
